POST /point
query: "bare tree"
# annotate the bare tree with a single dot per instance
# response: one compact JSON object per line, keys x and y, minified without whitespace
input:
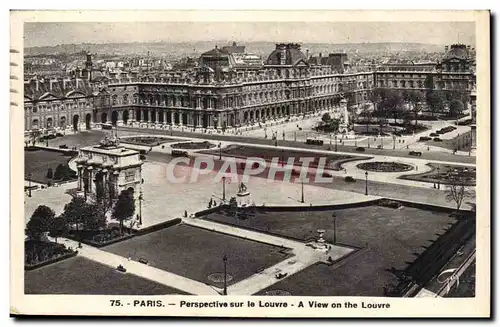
{"x":457,"y":191}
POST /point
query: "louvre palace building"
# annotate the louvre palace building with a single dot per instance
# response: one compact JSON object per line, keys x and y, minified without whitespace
{"x":229,"y":88}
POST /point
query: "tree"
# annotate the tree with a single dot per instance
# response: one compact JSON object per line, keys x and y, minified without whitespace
{"x":457,"y":191}
{"x":375,"y":98}
{"x":49,"y":173}
{"x":63,"y":172}
{"x":436,"y":101}
{"x":392,"y":102}
{"x":326,"y":117}
{"x":456,"y":108}
{"x":94,"y":217}
{"x":413,"y":98}
{"x":59,"y":227}
{"x":124,"y":207}
{"x":75,"y":211}
{"x":40,"y":222}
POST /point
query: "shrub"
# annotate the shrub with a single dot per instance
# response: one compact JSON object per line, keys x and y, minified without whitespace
{"x":50,"y":174}
{"x":389,"y":204}
{"x":349,"y":179}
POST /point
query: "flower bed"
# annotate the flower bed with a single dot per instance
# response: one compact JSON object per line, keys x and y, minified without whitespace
{"x":193,"y":145}
{"x":40,"y":253}
{"x":145,"y":140}
{"x":384,"y":166}
{"x":100,"y":238}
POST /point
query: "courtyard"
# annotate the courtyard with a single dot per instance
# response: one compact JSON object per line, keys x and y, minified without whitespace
{"x":79,"y":275}
{"x":386,"y":237}
{"x":197,"y":253}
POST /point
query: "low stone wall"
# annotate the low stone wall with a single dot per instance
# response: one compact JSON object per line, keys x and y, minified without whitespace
{"x":157,"y":227}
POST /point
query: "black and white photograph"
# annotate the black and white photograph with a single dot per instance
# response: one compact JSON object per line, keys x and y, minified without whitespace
{"x":315,"y":166}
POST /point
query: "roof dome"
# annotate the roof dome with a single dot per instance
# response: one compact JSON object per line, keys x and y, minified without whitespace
{"x":291,"y":52}
{"x":458,"y":51}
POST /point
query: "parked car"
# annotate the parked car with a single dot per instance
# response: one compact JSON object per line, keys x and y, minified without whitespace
{"x":424,"y":138}
{"x":415,"y":153}
{"x":437,"y":139}
{"x":360,"y":149}
{"x":179,"y":153}
{"x":63,"y":146}
{"x":349,"y":179}
{"x":433,"y":134}
{"x":314,"y":142}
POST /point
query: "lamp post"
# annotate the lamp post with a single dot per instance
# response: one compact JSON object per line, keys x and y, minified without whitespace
{"x":335,"y":142}
{"x":394,"y":142}
{"x":366,"y":183}
{"x":302,"y":197}
{"x":220,"y":151}
{"x":224,"y":259}
{"x":334,"y":216}
{"x":29,"y":185}
{"x":224,"y":188}
{"x":439,"y":181}
{"x":140,"y":207}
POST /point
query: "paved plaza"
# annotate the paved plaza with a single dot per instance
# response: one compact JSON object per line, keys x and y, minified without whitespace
{"x":182,"y":257}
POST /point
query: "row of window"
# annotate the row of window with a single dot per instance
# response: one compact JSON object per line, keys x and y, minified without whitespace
{"x":57,"y":107}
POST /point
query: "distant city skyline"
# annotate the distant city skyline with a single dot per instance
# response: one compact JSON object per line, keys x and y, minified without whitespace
{"x":441,"y":33}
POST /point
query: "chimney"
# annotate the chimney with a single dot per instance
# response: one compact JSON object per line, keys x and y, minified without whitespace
{"x":320,"y":55}
{"x":446,"y":48}
{"x":37,"y":84}
{"x":50,"y":84}
{"x":77,"y":82}
{"x":307,"y":54}
{"x":64,"y":83}
{"x":283,"y":57}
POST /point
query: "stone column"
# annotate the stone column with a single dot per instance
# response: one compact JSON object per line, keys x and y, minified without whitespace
{"x":89,"y":179}
{"x":172,"y":121}
{"x":80,"y":177}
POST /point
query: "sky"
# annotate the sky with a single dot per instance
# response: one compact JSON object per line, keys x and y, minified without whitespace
{"x":442,"y":33}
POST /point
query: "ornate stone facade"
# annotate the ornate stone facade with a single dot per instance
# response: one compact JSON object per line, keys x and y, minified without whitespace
{"x":107,"y":169}
{"x":219,"y":93}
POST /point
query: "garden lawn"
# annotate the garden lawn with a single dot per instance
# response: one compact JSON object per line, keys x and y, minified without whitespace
{"x":80,"y":139}
{"x":466,"y":174}
{"x":146,"y":140}
{"x":388,"y":238}
{"x":38,"y":162}
{"x":78,"y":276}
{"x":196,"y":253}
{"x":282,"y":155}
